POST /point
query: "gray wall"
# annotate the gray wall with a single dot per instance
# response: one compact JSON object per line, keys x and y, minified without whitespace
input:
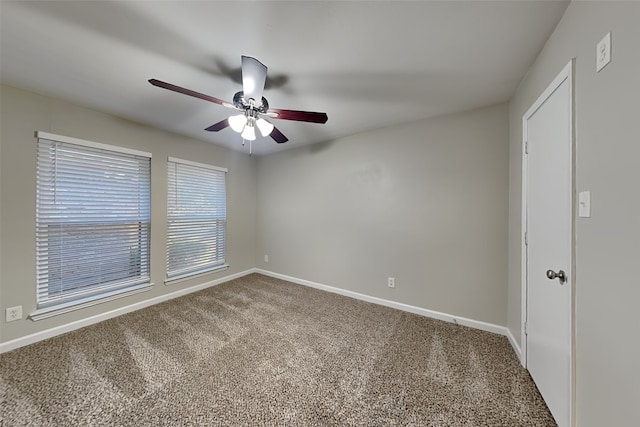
{"x":424,"y":202}
{"x":25,"y":112}
{"x":607,"y":282}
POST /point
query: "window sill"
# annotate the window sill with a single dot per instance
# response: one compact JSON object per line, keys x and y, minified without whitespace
{"x":188,"y":276}
{"x":68,"y":307}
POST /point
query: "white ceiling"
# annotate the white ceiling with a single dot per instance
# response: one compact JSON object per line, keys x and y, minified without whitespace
{"x":366,"y":64}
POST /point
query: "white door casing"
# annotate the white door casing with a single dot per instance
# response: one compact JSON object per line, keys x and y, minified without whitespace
{"x":547,"y":219}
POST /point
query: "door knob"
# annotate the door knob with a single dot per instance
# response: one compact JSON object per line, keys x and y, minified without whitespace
{"x":560,"y":275}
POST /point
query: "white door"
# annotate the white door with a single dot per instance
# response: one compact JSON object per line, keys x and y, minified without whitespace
{"x":547,"y":130}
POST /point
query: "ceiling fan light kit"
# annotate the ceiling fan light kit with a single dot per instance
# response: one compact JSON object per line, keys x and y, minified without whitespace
{"x":254,"y":76}
{"x":249,"y":133}
{"x":237,"y":122}
{"x":264,"y":126}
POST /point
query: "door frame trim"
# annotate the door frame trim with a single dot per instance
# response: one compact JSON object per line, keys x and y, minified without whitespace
{"x":567,"y":74}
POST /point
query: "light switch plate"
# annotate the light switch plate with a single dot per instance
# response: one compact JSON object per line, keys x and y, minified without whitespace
{"x":603,"y":52}
{"x":584,"y":204}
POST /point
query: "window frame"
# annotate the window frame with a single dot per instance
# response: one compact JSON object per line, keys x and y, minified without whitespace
{"x":100,"y":292}
{"x":219,"y":263}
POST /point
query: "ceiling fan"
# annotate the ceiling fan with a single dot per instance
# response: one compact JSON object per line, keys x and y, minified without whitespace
{"x":251,"y":104}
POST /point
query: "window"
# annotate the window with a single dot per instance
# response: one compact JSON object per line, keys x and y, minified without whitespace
{"x":92,"y":221}
{"x":197,"y":218}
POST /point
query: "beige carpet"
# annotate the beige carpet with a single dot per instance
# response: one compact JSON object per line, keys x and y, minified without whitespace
{"x":259,"y":351}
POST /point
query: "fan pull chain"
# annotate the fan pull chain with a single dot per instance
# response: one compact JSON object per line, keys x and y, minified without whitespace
{"x":250,"y":146}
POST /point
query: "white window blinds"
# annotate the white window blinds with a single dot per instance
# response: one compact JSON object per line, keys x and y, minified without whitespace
{"x":92,"y":220}
{"x":197,"y":218}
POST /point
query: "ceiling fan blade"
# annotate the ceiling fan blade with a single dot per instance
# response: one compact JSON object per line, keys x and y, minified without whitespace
{"x":278,"y":136}
{"x":254,"y":76}
{"x":301,"y":116}
{"x":189,"y":92}
{"x":218,"y":126}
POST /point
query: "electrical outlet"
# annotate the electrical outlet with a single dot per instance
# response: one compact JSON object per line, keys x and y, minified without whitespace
{"x":603,"y":52}
{"x":266,"y":258}
{"x":392,"y":282}
{"x":14,"y":313}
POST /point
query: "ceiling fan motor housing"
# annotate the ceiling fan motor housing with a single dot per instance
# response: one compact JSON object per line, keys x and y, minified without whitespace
{"x":249,"y":104}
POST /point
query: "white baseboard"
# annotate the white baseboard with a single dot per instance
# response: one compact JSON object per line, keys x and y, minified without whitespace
{"x":476,"y":324}
{"x":514,"y":344}
{"x":59,"y":330}
{"x":72,"y":326}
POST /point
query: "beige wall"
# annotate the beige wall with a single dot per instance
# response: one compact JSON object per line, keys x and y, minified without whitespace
{"x":424,"y":202}
{"x":25,"y":112}
{"x":607,"y":279}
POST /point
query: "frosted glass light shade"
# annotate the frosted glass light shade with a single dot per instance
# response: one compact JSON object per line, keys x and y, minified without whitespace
{"x":237,"y":122}
{"x":249,"y":133}
{"x":264,"y":126}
